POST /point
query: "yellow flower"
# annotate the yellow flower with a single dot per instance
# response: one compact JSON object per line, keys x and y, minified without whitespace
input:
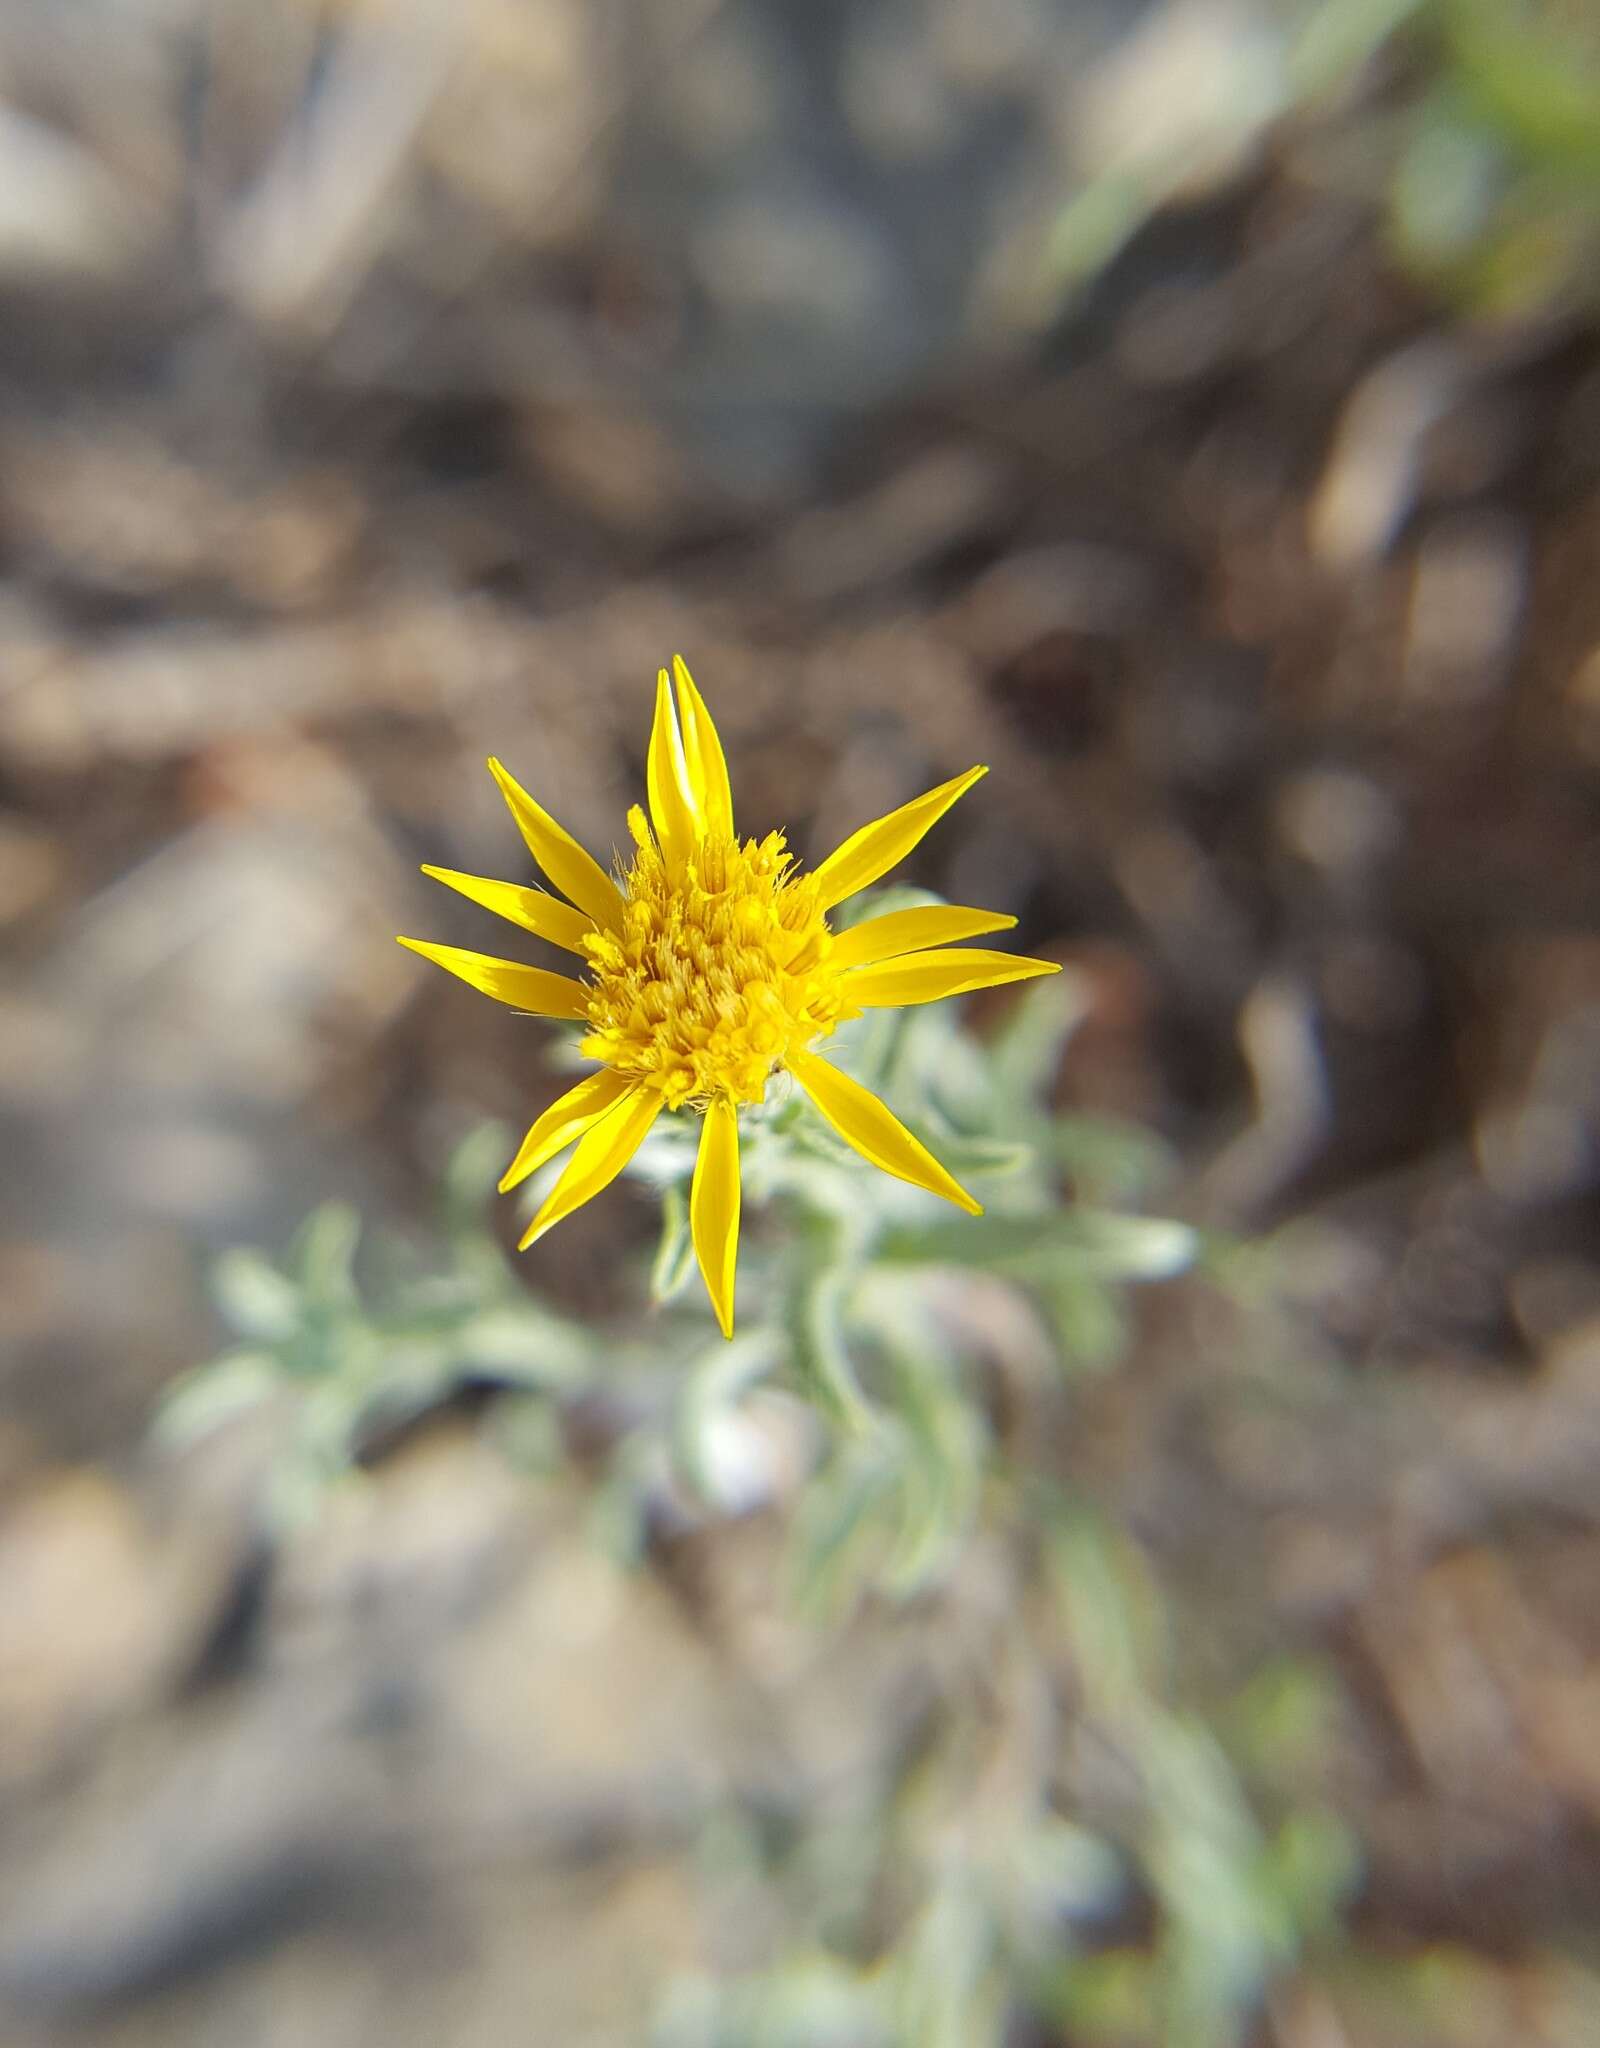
{"x":708,"y":967}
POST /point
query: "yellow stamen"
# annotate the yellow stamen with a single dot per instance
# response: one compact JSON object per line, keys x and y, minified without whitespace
{"x":720,"y":968}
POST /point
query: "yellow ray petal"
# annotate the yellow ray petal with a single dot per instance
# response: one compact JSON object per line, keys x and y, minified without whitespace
{"x":874,"y":1131}
{"x":877,"y":847}
{"x":702,"y":750}
{"x":601,"y":1154}
{"x":930,"y":977}
{"x":546,"y":916}
{"x":508,"y":981}
{"x":567,"y":1118}
{"x":714,"y":1206}
{"x":908,"y":931}
{"x":672,"y":807}
{"x":575,"y":873}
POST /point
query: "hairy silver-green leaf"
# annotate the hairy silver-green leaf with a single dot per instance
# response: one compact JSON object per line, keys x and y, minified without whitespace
{"x":257,"y":1299}
{"x":324,"y":1254}
{"x":213,"y":1395}
{"x":674,"y":1259}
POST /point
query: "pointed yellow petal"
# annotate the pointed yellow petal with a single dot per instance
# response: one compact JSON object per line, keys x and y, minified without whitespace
{"x":575,"y":873}
{"x":546,"y":916}
{"x":508,"y":981}
{"x":874,"y":1131}
{"x":601,"y":1154}
{"x":908,"y":931}
{"x":714,"y":1206}
{"x":567,"y":1118}
{"x":877,"y":847}
{"x":672,"y":807}
{"x":930,"y":977}
{"x":702,"y":750}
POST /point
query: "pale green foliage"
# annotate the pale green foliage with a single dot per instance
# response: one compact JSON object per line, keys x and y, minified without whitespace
{"x":1480,"y":150}
{"x":1197,"y":1877}
{"x":833,"y":1295}
{"x":876,"y":1322}
{"x":847,"y":1295}
{"x":1495,"y":187}
{"x":344,"y":1364}
{"x":1236,"y":1903}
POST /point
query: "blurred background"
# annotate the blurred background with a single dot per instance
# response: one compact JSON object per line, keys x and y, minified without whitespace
{"x":1189,"y":407}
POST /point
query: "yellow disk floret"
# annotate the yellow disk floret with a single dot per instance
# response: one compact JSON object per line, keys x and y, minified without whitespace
{"x":719,"y":971}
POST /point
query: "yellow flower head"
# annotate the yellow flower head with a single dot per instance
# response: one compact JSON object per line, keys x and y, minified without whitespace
{"x":709,"y":966}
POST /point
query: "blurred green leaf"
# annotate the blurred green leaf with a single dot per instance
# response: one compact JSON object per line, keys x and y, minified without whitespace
{"x":1284,"y":1719}
{"x":1312,"y":1864}
{"x":1443,"y":193}
{"x":990,"y":1158}
{"x":1108,"y":1997}
{"x":214,"y":1395}
{"x":1100,"y":1242}
{"x":323,"y":1255}
{"x":1089,"y":1320}
{"x":674,"y":1259}
{"x":1116,"y":1625}
{"x":1095,"y":224}
{"x":939,"y":1480}
{"x":1338,"y":36}
{"x":945,"y":1994}
{"x":255,"y":1297}
{"x":522,"y":1347}
{"x":840,"y":1510}
{"x":1531,"y":84}
{"x":713,"y":1388}
{"x":819,"y":1348}
{"x":1129,"y":1247}
{"x":1107,"y":1161}
{"x":471,"y":1176}
{"x":1066,"y":1871}
{"x":1025,"y":1053}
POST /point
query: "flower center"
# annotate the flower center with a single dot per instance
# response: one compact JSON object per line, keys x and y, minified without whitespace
{"x":720,"y":968}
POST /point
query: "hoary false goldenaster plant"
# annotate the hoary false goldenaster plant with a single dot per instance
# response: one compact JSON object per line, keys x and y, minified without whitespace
{"x":709,"y":967}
